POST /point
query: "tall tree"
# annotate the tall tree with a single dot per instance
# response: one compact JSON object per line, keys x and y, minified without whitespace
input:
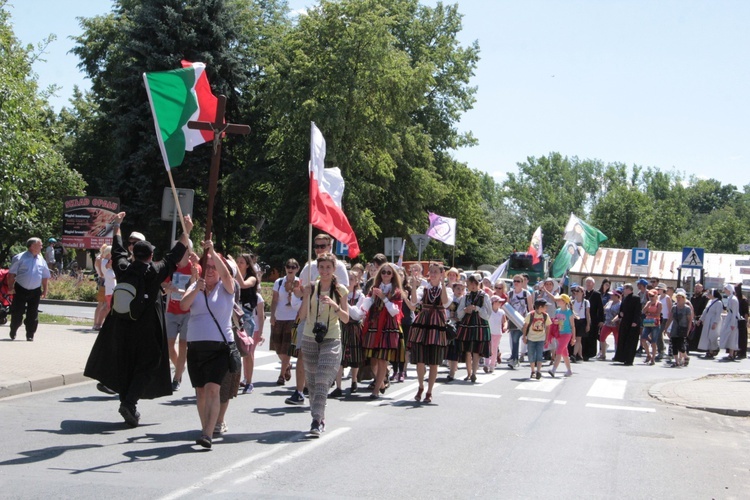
{"x":33,"y":175}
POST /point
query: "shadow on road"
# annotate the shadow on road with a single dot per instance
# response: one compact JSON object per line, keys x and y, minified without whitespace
{"x":33,"y":456}
{"x":281,"y":411}
{"x":84,"y":427}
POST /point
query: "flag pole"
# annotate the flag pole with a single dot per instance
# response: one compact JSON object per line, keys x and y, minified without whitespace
{"x":176,"y":200}
{"x":309,"y":255}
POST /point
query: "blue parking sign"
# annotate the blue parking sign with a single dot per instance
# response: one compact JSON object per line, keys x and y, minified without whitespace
{"x":639,"y":257}
{"x":341,"y":248}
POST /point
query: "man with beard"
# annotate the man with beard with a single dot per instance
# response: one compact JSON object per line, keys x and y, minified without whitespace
{"x":596,"y":311}
{"x":630,"y":322}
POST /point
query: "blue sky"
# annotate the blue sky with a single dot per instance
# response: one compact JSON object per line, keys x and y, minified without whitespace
{"x":649,"y":82}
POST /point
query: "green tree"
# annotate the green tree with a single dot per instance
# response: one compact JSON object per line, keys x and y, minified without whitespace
{"x":33,"y":175}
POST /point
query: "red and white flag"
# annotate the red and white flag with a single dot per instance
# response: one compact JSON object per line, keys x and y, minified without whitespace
{"x":535,"y":248}
{"x":326,"y":191}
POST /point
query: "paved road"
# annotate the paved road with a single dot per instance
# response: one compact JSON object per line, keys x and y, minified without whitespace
{"x":71,"y":311}
{"x":597,"y":434}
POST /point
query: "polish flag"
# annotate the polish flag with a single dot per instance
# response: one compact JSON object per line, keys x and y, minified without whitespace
{"x":326,"y":191}
{"x":535,"y":248}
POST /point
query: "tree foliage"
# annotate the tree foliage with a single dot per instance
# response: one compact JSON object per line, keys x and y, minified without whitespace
{"x":33,"y":174}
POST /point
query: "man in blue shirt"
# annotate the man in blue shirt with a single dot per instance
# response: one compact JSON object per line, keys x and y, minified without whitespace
{"x":27,"y":281}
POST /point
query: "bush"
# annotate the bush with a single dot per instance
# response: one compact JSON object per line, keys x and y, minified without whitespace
{"x":71,"y":288}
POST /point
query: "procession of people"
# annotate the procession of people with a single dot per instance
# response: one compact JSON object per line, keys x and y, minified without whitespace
{"x":362,"y":323}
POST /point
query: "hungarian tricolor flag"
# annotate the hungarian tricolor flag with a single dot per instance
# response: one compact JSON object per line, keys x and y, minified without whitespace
{"x":535,"y":247}
{"x":177,"y":97}
{"x":326,"y":191}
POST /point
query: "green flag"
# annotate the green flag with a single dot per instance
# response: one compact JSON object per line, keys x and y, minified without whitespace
{"x":583,"y":234}
{"x":565,"y":259}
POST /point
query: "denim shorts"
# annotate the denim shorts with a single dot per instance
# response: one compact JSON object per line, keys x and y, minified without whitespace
{"x":536,"y":350}
{"x":650,"y":333}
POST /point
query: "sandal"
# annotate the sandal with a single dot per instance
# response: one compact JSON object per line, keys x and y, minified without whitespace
{"x":418,"y":397}
{"x":280,"y":380}
{"x":204,"y":441}
{"x":288,"y":373}
{"x":428,"y":398}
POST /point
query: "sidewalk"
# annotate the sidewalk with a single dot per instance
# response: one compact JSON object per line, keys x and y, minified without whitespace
{"x":56,"y":357}
{"x":727,"y":394}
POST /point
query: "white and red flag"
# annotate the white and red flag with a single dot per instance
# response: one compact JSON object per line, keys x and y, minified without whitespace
{"x":535,"y":247}
{"x":326,"y":191}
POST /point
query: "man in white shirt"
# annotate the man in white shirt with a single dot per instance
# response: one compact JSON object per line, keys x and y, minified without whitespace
{"x":27,"y":281}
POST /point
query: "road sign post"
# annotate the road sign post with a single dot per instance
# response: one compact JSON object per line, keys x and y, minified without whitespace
{"x":421,"y":241}
{"x":393,"y":247}
{"x":692,"y":258}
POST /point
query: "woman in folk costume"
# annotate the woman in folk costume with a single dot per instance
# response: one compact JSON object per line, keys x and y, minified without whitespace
{"x":474,"y":312}
{"x":729,"y":335}
{"x":427,"y":338}
{"x":353,"y":354}
{"x":383,"y":324}
{"x":711,"y":319}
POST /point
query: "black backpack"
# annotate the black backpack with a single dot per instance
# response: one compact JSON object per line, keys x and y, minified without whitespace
{"x":129,"y":297}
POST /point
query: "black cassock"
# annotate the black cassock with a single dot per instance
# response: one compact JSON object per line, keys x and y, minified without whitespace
{"x":627,"y":343}
{"x":596,"y":311}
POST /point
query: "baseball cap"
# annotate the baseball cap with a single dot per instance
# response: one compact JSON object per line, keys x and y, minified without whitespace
{"x":135,"y":235}
{"x":641,"y":282}
{"x":564,"y":297}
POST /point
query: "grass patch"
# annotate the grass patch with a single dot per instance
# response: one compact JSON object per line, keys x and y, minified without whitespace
{"x":63,"y":320}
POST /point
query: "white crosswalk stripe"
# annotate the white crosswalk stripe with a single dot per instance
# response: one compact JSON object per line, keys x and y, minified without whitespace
{"x":608,"y":388}
{"x":543,"y":385}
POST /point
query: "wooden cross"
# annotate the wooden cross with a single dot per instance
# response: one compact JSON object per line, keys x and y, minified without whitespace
{"x":219,"y":128}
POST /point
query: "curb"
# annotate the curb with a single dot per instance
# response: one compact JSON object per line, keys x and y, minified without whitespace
{"x":663,"y":393}
{"x":68,"y":303}
{"x":17,"y":387}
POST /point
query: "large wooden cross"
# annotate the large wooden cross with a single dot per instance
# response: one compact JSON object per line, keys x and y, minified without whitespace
{"x":219,"y":128}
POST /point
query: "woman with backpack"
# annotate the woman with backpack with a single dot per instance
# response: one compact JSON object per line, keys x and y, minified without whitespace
{"x":522,"y":301}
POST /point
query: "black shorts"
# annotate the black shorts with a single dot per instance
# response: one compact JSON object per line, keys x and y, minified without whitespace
{"x":207,"y":362}
{"x":678,"y":344}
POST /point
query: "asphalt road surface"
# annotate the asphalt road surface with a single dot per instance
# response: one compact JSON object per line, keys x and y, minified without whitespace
{"x":597,"y":434}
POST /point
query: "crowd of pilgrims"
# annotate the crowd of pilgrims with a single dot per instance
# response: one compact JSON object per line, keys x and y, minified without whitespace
{"x":377,"y":320}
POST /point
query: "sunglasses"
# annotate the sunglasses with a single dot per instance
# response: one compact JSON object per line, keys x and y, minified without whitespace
{"x":386,"y":273}
{"x":517,"y":281}
{"x":320,"y":247}
{"x":292,"y":267}
{"x":499,"y":287}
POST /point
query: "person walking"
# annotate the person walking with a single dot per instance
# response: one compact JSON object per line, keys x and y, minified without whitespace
{"x":285,"y":303}
{"x":711,"y":324}
{"x":630,"y":322}
{"x":497,"y":328}
{"x":535,"y":332}
{"x":522,"y":301}
{"x":28,"y":278}
{"x":566,"y":324}
{"x":382,"y":325}
{"x":324,"y":308}
{"x":473,"y":335}
{"x":427,"y":338}
{"x":130,"y":356}
{"x":729,"y":334}
{"x":680,"y":321}
{"x":210,"y":301}
{"x":353,"y":355}
{"x":611,"y":321}
{"x":596,"y":314}
{"x":651,"y":327}
{"x":582,"y":311}
{"x":741,"y":322}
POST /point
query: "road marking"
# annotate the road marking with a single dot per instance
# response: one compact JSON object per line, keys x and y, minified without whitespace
{"x":394,"y":395}
{"x":302,"y":450}
{"x":472,"y":394}
{"x":356,"y":416}
{"x":615,"y":407}
{"x":543,"y":400}
{"x":237,"y":466}
{"x":543,"y":385}
{"x":608,"y":388}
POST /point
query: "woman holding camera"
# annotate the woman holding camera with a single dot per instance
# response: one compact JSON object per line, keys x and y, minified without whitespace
{"x":324,"y":306}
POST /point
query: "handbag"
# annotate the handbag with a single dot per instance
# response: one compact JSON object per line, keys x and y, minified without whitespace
{"x":243,"y":341}
{"x":235,"y":360}
{"x":650,"y":322}
{"x":450,"y":331}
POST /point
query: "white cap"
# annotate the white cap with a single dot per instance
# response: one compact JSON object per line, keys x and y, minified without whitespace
{"x":135,"y":235}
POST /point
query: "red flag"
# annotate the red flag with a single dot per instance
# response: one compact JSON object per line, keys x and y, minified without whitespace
{"x":326,"y":190}
{"x":535,"y":248}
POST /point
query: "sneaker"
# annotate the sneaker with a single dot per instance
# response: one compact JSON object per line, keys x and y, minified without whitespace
{"x":336,"y":393}
{"x":538,"y":375}
{"x":401,"y":376}
{"x":248,"y":389}
{"x":552,"y":373}
{"x":569,"y":374}
{"x":220,"y":428}
{"x":355,"y":387}
{"x":130,"y":415}
{"x":175,"y":385}
{"x":394,"y":377}
{"x":295,"y":399}
{"x":305,"y":391}
{"x":315,"y":429}
{"x":512,"y":365}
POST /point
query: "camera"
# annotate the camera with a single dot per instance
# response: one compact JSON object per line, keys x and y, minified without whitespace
{"x":320,"y":330}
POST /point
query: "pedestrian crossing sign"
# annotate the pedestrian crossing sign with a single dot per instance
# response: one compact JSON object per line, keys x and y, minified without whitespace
{"x":692,"y":258}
